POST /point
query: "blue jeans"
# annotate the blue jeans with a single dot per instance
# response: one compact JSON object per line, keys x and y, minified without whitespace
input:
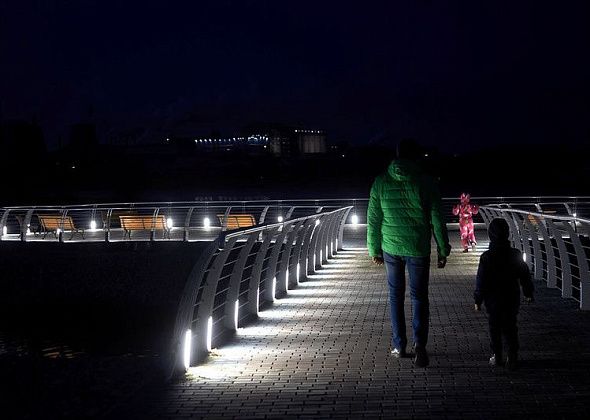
{"x":419,"y":271}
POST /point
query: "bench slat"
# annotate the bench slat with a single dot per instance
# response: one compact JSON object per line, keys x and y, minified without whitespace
{"x":236,"y":221}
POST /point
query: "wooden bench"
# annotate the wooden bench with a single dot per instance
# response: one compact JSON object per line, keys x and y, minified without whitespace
{"x":51,"y":223}
{"x":236,"y":221}
{"x":137,"y":222}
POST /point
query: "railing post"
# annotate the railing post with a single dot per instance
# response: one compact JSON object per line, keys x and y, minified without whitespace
{"x":235,"y":280}
{"x":538,"y":256}
{"x":313,"y":253}
{"x":271,"y":268}
{"x":187,"y":222}
{"x":549,"y":255}
{"x":186,"y":311}
{"x":3,"y":221}
{"x":283,"y":272}
{"x":582,"y":267}
{"x":566,"y":275}
{"x":205,"y":307}
{"x":254,"y":286}
{"x":301,"y":248}
{"x":526,"y":244}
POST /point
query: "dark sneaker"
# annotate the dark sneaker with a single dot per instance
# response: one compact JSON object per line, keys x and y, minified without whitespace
{"x":398,"y":354}
{"x":465,"y":250}
{"x":421,"y":358}
{"x":495,"y":361}
{"x":512,"y":362}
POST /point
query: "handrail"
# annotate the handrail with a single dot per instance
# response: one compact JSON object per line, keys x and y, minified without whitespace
{"x":556,"y":248}
{"x":281,"y":255}
{"x":188,"y":218}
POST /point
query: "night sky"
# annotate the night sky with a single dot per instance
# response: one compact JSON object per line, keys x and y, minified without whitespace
{"x":456,"y":75}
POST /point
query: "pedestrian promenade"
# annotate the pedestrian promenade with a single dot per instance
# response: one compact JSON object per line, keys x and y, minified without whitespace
{"x":323,"y":352}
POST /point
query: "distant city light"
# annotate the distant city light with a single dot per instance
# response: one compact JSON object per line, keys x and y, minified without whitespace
{"x":354,"y":219}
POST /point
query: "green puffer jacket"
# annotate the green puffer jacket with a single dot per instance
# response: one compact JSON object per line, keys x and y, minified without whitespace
{"x":404,"y":209}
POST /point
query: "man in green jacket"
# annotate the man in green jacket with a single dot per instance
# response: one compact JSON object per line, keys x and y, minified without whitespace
{"x":404,"y":212}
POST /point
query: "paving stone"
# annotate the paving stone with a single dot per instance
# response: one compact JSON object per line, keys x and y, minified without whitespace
{"x":323,"y":352}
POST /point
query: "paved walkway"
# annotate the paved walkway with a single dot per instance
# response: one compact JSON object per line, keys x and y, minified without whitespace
{"x":323,"y":352}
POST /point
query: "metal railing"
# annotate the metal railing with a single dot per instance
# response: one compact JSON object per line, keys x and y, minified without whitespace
{"x":556,"y":247}
{"x":202,"y":220}
{"x":242,"y":271}
{"x":174,"y":221}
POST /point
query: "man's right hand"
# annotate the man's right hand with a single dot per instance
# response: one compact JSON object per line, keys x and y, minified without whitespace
{"x":378,"y":260}
{"x":442,"y":261}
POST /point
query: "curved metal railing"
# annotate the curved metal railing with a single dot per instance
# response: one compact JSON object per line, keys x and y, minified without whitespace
{"x":200,"y":220}
{"x":241,"y":271}
{"x":556,"y":247}
{"x":177,"y":221}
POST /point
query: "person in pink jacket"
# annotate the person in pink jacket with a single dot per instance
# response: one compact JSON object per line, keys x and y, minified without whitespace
{"x":465,"y":211}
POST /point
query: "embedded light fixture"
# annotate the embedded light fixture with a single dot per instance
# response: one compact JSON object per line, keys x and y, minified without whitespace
{"x":524,"y":256}
{"x":274,"y":288}
{"x":287,"y":280}
{"x":209,"y":332}
{"x":317,"y":222}
{"x":4,"y":230}
{"x":354,"y":219}
{"x":257,"y":299}
{"x":298,"y":271}
{"x":93,"y":225}
{"x":186,"y":357}
{"x":169,"y":223}
{"x":280,"y":219}
{"x":206,"y":223}
{"x":236,"y":309}
{"x":575,"y":215}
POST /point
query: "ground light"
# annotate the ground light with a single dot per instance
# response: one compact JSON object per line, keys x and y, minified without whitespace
{"x":169,"y":223}
{"x":297,"y":272}
{"x":4,"y":230}
{"x":257,"y":299}
{"x":188,"y":335}
{"x":287,"y":280}
{"x":354,"y":219}
{"x":274,"y":288}
{"x":206,"y":223}
{"x":209,"y":332}
{"x":93,"y":225}
{"x":524,"y":256}
{"x":280,"y":219}
{"x":236,"y":310}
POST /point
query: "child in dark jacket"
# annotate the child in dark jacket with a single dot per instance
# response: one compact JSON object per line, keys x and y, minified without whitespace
{"x":501,"y":274}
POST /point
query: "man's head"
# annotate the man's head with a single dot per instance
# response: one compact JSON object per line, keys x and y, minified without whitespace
{"x":408,"y":149}
{"x":498,"y":230}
